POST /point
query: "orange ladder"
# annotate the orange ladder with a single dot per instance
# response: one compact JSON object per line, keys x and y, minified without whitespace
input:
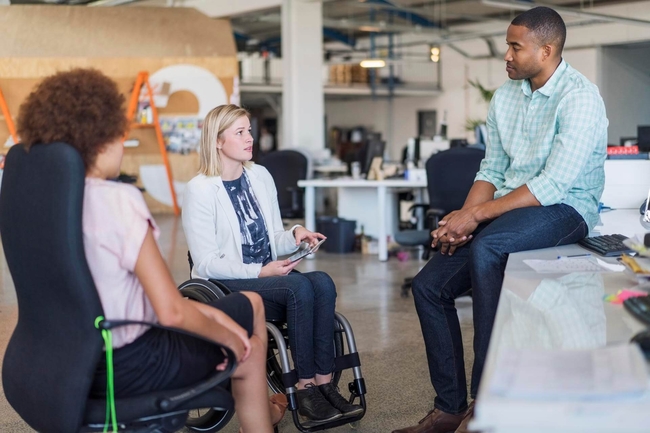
{"x":7,"y":115}
{"x":143,"y":79}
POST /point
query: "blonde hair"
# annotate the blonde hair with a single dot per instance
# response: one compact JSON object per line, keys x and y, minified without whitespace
{"x":215,"y":123}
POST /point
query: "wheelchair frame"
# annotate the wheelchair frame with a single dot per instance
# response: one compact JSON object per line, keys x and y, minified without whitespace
{"x":351,"y":360}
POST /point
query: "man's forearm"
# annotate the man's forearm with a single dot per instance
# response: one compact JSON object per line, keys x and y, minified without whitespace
{"x":521,"y":197}
{"x":480,"y":192}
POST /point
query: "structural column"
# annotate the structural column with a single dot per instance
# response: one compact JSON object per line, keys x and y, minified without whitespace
{"x":303,"y":111}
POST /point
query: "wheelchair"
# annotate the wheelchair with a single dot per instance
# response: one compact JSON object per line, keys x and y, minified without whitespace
{"x":281,"y":378}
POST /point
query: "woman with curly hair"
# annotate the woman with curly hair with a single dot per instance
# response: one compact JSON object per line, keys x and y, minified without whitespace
{"x":85,"y":109}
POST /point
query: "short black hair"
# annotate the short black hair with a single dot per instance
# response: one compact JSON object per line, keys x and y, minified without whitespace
{"x":546,"y":24}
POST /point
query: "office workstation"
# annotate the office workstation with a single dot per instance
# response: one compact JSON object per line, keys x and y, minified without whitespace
{"x":565,"y":315}
{"x":369,"y":122}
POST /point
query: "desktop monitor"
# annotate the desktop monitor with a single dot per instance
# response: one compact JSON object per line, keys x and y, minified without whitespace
{"x":643,"y":138}
{"x":373,"y":148}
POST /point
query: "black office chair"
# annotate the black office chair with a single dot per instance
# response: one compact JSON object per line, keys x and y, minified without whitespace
{"x":54,"y":351}
{"x":450,"y":176}
{"x":288,"y":167}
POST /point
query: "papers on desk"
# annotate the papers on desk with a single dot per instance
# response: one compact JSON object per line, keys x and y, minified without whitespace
{"x":569,"y":264}
{"x":610,"y":372}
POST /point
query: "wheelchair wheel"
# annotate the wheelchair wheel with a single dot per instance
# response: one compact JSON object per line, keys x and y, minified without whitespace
{"x":207,"y":419}
{"x":201,"y":290}
{"x":274,"y":368}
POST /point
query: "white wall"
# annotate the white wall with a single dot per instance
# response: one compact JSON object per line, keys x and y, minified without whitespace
{"x":625,"y":88}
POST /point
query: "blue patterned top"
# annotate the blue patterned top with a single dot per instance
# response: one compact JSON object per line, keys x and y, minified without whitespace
{"x":255,"y":244}
{"x":553,"y":140}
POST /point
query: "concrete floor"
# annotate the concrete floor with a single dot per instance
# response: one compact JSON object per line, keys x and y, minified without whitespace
{"x":385,"y":325}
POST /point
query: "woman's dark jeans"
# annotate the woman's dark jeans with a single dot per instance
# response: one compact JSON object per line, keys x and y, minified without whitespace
{"x":307,"y":301}
{"x":479,"y":265}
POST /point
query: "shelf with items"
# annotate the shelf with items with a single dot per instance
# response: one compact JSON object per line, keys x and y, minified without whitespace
{"x":142,"y":125}
{"x":358,"y":90}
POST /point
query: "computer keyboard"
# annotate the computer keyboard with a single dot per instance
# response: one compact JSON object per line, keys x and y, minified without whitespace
{"x":639,"y":307}
{"x":607,"y":245}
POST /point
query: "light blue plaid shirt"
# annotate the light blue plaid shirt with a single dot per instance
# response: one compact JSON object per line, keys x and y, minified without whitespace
{"x":553,"y":140}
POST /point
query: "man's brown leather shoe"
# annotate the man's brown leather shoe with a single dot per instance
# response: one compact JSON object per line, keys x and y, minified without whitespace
{"x":469,"y":414}
{"x":436,"y":421}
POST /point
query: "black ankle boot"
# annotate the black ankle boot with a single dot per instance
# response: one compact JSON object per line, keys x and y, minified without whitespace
{"x":332,"y":395}
{"x":313,"y":405}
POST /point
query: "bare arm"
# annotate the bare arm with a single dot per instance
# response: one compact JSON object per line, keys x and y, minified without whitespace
{"x":174,"y":311}
{"x":480,"y":192}
{"x":520,"y":197}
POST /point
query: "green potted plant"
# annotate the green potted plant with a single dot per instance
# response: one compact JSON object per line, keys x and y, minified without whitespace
{"x":486,"y":95}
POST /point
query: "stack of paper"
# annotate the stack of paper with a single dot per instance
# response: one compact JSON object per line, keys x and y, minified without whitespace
{"x":569,"y":264}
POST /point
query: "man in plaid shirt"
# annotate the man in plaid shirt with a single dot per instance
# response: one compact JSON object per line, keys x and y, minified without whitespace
{"x":538,"y":186}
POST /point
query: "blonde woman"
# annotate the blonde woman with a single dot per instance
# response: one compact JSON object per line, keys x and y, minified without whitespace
{"x":235,"y":234}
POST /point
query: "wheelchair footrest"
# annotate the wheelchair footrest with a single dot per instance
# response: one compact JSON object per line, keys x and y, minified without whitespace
{"x":308,"y":427}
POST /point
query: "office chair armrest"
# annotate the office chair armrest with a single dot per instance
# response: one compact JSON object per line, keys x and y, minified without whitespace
{"x":216,"y":379}
{"x":418,"y":206}
{"x":295,"y":191}
{"x":435,"y":212}
{"x":433,"y":216}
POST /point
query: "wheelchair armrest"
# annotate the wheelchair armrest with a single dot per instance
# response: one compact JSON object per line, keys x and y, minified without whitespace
{"x":216,"y":379}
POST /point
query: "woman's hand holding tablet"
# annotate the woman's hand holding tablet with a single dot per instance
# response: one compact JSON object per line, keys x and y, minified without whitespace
{"x":305,"y":250}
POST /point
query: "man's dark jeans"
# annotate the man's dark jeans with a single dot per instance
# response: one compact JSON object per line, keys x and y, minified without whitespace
{"x":479,"y":265}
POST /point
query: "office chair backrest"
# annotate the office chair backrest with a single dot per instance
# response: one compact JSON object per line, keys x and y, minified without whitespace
{"x":52,"y":355}
{"x":287,"y":167}
{"x":450,"y":175}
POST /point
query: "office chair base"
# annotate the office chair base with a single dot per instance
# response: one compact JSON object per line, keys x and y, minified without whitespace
{"x":168,"y":424}
{"x":406,"y":286}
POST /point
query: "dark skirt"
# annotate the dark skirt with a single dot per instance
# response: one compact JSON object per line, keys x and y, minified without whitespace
{"x":161,"y":359}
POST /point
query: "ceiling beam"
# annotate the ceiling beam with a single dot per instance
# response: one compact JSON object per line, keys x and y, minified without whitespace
{"x":526,"y":5}
{"x":228,"y":8}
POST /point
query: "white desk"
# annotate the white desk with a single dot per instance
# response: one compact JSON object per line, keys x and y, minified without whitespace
{"x":561,"y":311}
{"x":370,"y":193}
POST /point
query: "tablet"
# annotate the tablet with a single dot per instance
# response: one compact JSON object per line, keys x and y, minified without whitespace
{"x":302,"y":252}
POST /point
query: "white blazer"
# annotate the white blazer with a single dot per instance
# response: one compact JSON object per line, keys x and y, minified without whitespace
{"x":212,"y":227}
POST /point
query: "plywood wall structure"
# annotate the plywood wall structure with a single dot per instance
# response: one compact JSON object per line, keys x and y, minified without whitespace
{"x":37,"y":41}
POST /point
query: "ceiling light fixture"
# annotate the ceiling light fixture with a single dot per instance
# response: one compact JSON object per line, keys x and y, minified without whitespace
{"x":435,"y":53}
{"x":372,"y":63}
{"x":370,"y":29}
{"x":525,"y":5}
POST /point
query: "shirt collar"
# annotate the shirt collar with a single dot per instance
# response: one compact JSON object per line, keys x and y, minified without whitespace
{"x":548,"y":88}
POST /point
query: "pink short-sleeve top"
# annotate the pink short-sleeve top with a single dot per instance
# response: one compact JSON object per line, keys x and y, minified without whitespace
{"x":115,"y":222}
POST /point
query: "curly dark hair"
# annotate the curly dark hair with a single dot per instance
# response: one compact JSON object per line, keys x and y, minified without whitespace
{"x":81,"y":107}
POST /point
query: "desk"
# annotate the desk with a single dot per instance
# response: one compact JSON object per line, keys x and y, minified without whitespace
{"x":375,"y":192}
{"x":561,"y":311}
